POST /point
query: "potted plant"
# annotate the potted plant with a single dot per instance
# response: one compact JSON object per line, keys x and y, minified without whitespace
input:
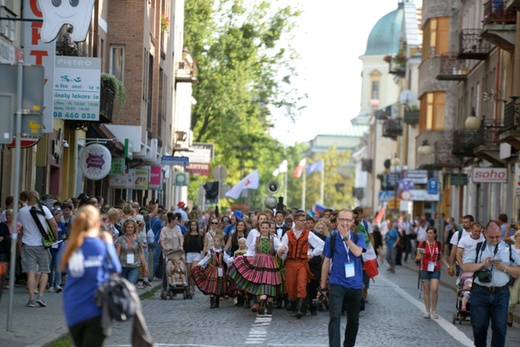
{"x":117,"y":86}
{"x":165,"y":22}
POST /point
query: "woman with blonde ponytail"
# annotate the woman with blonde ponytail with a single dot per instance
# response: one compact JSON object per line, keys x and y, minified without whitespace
{"x":86,"y":262}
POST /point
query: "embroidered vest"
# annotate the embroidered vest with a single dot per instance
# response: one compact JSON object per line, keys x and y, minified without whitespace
{"x":264,"y":245}
{"x":298,"y":247}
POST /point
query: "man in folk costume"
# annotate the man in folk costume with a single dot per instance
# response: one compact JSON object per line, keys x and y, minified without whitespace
{"x":299,"y":253}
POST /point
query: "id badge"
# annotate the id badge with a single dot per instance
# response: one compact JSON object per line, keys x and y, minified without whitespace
{"x":220,"y":272}
{"x":349,"y":270}
{"x":130,"y":258}
{"x":431,"y":266}
{"x":55,"y":245}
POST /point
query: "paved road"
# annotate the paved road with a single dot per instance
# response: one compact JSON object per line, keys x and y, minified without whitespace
{"x":393,"y":318}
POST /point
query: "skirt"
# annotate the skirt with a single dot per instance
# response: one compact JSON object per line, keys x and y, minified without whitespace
{"x":258,"y":275}
{"x":208,"y":281}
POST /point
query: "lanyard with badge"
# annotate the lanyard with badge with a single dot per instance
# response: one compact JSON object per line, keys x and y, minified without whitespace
{"x":432,"y":250}
{"x":130,"y":256}
{"x":349,"y":266}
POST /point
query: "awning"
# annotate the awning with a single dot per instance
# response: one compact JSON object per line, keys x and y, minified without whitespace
{"x":100,"y":131}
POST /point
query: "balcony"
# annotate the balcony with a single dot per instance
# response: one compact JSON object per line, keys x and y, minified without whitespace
{"x":186,"y":69}
{"x":106,"y":103}
{"x":511,"y":131}
{"x":463,"y":143}
{"x":472,"y":46}
{"x":441,"y":155}
{"x":393,"y":127}
{"x":499,"y":25}
{"x":512,"y":4}
{"x":397,"y":68}
{"x":411,"y":117}
{"x":452,"y":69}
{"x":487,"y":140}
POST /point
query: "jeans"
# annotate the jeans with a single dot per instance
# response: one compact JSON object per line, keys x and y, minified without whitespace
{"x":484,"y":306}
{"x":88,"y":333}
{"x":157,"y":252}
{"x":131,"y":274}
{"x":54,"y":275}
{"x":351,"y":299}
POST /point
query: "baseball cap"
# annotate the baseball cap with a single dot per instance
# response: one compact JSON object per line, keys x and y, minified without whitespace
{"x":181,"y":204}
{"x":239,"y":215}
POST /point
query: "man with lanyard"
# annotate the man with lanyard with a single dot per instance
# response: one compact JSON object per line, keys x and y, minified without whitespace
{"x":302,"y":245}
{"x":491,"y":263}
{"x":346,"y":279}
{"x":467,"y":224}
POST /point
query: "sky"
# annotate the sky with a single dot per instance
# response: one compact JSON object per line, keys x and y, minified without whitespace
{"x":331,"y":36}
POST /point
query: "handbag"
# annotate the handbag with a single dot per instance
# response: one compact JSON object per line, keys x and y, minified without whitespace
{"x":115,"y":294}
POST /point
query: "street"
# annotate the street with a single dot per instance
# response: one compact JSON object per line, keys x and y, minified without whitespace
{"x":393,"y":317}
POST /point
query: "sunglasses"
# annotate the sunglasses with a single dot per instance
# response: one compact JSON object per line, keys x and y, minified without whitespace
{"x":225,"y":221}
{"x":214,"y":222}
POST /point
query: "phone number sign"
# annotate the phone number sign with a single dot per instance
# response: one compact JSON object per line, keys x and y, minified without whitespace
{"x":77,"y":88}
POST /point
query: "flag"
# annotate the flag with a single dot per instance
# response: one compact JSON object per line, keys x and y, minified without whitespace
{"x":299,"y":169}
{"x":319,"y":208}
{"x":249,"y":182}
{"x":379,"y":216}
{"x":317,"y":166}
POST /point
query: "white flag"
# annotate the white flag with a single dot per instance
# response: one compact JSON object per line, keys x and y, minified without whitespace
{"x":249,"y":182}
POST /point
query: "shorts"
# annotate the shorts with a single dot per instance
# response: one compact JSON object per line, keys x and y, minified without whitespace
{"x":427,"y":275}
{"x":35,"y":259}
{"x":191,"y":256}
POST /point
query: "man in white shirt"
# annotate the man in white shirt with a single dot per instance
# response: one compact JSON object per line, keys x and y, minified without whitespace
{"x":35,"y":257}
{"x":421,"y":231}
{"x":467,"y":225}
{"x":180,"y":209}
{"x":468,"y":241}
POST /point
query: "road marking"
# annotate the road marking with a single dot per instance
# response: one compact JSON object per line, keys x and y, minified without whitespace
{"x":447,"y":326}
{"x":258,"y":331}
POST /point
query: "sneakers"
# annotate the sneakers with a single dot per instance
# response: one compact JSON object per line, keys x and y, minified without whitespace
{"x":40,"y":301}
{"x":463,"y":309}
{"x":59,"y":289}
{"x":147,"y":284}
{"x":435,"y":315}
{"x":426,"y":316}
{"x":51,"y":290}
{"x":30,"y":303}
{"x":139,"y":285}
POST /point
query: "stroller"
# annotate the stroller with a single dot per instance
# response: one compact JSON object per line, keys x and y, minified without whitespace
{"x":463,"y":283}
{"x":175,"y":275}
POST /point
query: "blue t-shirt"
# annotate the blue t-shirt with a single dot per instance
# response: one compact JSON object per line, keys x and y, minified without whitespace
{"x":184,"y":230}
{"x":337,"y":273}
{"x":156,"y":225}
{"x":61,"y":232}
{"x":229,"y":230}
{"x":391,"y":238}
{"x":87,"y":269}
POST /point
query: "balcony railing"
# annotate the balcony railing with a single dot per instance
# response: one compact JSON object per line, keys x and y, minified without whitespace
{"x":397,"y":68}
{"x":393,"y":127}
{"x":106,"y":103}
{"x":495,"y":12}
{"x":511,"y":115}
{"x":463,"y":143}
{"x":488,"y":133}
{"x":472,"y":46}
{"x":452,"y":69}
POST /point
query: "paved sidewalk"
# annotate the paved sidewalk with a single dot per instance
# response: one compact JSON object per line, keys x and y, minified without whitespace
{"x":38,"y":326}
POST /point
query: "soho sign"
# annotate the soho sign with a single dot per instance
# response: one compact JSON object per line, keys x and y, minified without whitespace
{"x":489,"y":175}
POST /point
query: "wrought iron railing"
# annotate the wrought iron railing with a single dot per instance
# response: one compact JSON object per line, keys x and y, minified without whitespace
{"x":452,"y":68}
{"x":488,"y":133}
{"x":411,"y":116}
{"x":393,"y":127}
{"x":106,"y":102}
{"x":463,"y":143}
{"x":511,"y":115}
{"x":472,"y":45}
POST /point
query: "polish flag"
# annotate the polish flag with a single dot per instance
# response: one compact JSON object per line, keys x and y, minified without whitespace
{"x":299,"y":169}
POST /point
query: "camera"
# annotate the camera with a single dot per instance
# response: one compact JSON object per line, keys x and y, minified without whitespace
{"x":320,"y":304}
{"x":421,"y":250}
{"x":484,"y":276}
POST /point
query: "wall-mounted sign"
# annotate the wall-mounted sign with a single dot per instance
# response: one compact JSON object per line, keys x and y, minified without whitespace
{"x":489,"y":175}
{"x":95,"y":161}
{"x":181,"y":179}
{"x":458,"y":179}
{"x":118,"y":166}
{"x":155,"y":177}
{"x":141,"y":178}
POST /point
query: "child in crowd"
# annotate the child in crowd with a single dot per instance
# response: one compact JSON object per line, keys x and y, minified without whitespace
{"x":176,"y":271}
{"x":209,"y":274}
{"x":242,"y":247}
{"x":466,"y":293}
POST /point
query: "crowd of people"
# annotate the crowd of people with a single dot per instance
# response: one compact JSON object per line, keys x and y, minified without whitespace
{"x":267,"y":259}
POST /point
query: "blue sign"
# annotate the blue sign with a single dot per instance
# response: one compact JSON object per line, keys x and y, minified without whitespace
{"x":385,"y":196}
{"x":405,"y":184}
{"x":433,"y":186}
{"x":173,"y":160}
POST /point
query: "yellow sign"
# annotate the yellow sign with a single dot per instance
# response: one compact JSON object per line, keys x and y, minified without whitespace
{"x":393,"y":203}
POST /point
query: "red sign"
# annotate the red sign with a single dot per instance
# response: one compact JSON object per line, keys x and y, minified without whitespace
{"x":155,"y":177}
{"x":24,"y":142}
{"x":197,"y":169}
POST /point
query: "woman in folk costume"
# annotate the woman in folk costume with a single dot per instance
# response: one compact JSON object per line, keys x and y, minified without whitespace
{"x":209,"y":274}
{"x":258,"y":273}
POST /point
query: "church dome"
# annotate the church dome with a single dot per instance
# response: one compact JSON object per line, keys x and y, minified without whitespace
{"x":384,"y":36}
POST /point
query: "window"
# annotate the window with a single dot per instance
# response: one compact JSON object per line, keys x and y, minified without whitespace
{"x":432,"y":111}
{"x":117,"y":61}
{"x":375,"y":90}
{"x":436,"y":37}
{"x":8,"y":27}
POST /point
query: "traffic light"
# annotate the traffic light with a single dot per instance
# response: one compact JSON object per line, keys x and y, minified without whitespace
{"x":211,"y":189}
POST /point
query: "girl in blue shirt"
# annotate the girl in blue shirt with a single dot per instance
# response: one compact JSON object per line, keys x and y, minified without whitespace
{"x":85,"y":261}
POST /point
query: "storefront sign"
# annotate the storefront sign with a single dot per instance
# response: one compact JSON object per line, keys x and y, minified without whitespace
{"x":489,"y":175}
{"x":198,"y":169}
{"x":77,"y":88}
{"x":118,"y":166}
{"x":141,"y":178}
{"x":95,"y":161}
{"x":155,"y":177}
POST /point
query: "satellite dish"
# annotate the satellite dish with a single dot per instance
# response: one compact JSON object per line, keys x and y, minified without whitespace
{"x":407,"y":97}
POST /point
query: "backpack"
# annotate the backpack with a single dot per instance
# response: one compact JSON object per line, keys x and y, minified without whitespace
{"x":333,"y":241}
{"x":115,"y":293}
